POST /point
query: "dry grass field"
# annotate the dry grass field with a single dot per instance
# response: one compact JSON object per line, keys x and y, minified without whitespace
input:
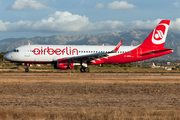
{"x":89,"y":96}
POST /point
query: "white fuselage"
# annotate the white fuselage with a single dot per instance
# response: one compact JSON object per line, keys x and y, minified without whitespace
{"x":50,"y":53}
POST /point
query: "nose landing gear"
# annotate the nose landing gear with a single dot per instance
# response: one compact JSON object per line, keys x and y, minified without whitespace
{"x":27,"y":67}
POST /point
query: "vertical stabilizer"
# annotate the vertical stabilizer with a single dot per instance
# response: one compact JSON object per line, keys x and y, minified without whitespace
{"x":158,"y":35}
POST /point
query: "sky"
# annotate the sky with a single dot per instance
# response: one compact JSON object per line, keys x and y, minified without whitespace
{"x":31,"y":18}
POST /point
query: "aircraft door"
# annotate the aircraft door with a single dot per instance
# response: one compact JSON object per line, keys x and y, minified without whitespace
{"x":27,"y":52}
{"x":139,"y":52}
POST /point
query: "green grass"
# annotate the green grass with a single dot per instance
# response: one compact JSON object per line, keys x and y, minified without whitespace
{"x":125,"y":68}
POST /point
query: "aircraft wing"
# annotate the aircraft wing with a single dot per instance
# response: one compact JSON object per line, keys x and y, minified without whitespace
{"x":90,"y":57}
{"x":94,"y":56}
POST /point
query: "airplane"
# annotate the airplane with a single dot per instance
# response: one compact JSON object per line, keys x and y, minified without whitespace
{"x":68,"y":56}
{"x":154,"y":66}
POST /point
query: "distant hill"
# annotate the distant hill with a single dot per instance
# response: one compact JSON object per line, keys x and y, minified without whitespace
{"x":131,"y":37}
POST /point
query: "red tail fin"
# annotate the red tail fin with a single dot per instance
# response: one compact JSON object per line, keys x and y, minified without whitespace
{"x":158,"y":35}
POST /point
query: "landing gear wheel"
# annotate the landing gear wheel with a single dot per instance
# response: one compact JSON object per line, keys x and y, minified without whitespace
{"x":84,"y":69}
{"x":26,"y":70}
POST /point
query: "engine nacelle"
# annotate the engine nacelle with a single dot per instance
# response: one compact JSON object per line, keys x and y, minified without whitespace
{"x":63,"y":64}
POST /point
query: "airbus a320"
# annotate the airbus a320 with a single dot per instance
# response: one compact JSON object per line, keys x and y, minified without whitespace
{"x":68,"y":56}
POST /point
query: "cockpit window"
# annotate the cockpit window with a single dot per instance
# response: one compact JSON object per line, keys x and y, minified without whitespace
{"x":15,"y":50}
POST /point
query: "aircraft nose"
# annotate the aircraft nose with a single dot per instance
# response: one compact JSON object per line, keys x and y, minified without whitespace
{"x":7,"y":57}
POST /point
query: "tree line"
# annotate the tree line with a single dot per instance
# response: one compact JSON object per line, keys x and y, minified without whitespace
{"x":2,"y":55}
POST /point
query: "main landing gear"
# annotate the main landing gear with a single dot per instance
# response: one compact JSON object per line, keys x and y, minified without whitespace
{"x":84,"y":69}
{"x":27,"y":67}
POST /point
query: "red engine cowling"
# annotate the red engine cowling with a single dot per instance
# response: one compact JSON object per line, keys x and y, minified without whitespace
{"x":63,"y":64}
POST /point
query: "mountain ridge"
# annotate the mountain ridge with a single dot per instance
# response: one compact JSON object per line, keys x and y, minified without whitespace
{"x":130,"y":37}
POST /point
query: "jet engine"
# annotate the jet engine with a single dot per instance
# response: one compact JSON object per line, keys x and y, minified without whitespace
{"x":63,"y":64}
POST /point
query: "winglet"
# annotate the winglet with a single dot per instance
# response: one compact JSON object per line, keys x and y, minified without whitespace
{"x":118,"y":46}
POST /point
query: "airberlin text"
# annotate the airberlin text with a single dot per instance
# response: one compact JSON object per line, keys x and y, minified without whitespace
{"x":57,"y":51}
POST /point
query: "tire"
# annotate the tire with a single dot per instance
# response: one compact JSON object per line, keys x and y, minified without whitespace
{"x":86,"y":69}
{"x":82,"y":69}
{"x":26,"y":70}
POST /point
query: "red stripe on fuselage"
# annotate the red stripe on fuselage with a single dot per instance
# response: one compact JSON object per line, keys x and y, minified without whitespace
{"x":135,"y":56}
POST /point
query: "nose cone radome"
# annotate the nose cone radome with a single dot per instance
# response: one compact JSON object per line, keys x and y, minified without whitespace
{"x":7,"y":57}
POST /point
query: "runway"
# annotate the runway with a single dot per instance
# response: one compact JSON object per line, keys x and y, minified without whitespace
{"x":92,"y":77}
